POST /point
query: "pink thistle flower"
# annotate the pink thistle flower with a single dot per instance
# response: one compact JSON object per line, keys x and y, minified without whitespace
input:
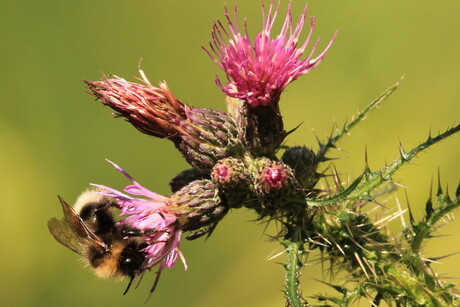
{"x":160,"y":220}
{"x":156,"y":220}
{"x":259,"y":71}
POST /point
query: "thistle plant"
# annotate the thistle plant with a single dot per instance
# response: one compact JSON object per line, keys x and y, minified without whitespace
{"x":240,"y":159}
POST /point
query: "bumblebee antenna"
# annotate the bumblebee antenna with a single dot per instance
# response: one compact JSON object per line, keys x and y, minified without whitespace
{"x":129,"y":285}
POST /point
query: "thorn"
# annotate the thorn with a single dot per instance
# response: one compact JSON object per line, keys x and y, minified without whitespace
{"x":439,"y":183}
{"x":400,"y":80}
{"x":400,"y":185}
{"x":350,"y":232}
{"x":457,"y":193}
{"x":449,"y":277}
{"x":357,"y":244}
{"x":375,"y":209}
{"x":340,"y":249}
{"x":322,"y":265}
{"x":317,"y":243}
{"x":366,"y":160}
{"x":438,"y":236}
{"x":442,"y":257}
{"x":345,"y":124}
{"x":325,"y":159}
{"x":336,"y":178}
{"x":389,"y":218}
{"x":275,"y":256}
{"x":434,"y":274}
{"x":326,"y":240}
{"x":334,"y":127}
{"x":402,"y":152}
{"x":337,"y":288}
{"x":361,"y":264}
{"x":403,"y":223}
{"x":430,"y":260}
{"x":429,"y":208}
{"x":328,"y":186}
{"x":371,"y":267}
{"x":411,"y":216}
{"x":316,"y":137}
{"x":331,"y":269}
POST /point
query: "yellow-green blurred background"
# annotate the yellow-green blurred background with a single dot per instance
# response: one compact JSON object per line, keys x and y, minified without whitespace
{"x":54,"y":137}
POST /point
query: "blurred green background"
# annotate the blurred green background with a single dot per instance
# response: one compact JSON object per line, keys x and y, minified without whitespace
{"x":54,"y":137}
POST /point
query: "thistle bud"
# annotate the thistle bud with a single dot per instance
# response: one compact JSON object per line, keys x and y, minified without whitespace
{"x":230,"y":174}
{"x":198,"y":205}
{"x":274,"y":182}
{"x":207,"y":136}
{"x":185,"y":177}
{"x":303,"y":161}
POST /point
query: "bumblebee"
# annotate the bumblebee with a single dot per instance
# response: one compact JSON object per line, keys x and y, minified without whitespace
{"x":89,"y":229}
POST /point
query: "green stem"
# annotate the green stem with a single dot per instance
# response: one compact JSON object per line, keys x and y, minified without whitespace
{"x":335,"y":198}
{"x":375,"y":179}
{"x":294,"y":250}
{"x":324,"y":148}
{"x":425,"y":229}
{"x":372,"y":180}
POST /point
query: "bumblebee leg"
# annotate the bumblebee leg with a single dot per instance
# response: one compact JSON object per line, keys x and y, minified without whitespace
{"x":133,"y":232}
{"x":201,"y":232}
{"x":197,"y":234}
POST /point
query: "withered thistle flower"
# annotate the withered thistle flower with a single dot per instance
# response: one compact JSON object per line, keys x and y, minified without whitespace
{"x":204,"y":136}
{"x":151,"y":110}
{"x":259,"y":71}
{"x":160,"y":221}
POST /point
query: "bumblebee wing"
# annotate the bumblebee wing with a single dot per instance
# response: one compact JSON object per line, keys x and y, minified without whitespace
{"x":72,"y":232}
{"x":64,"y":234}
{"x":79,"y":227}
